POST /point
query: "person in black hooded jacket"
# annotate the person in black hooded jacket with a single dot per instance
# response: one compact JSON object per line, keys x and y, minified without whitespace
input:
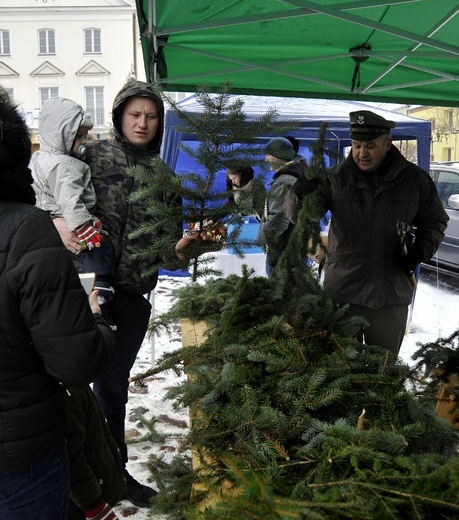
{"x":50,"y":338}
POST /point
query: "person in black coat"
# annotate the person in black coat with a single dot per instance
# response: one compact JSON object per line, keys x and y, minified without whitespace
{"x":373,"y":195}
{"x":96,"y":470}
{"x":51,"y":338}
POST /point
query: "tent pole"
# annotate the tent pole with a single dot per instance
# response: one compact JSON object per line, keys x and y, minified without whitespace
{"x":153,"y":42}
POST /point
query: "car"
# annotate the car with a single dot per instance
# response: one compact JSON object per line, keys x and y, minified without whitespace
{"x":446,"y":179}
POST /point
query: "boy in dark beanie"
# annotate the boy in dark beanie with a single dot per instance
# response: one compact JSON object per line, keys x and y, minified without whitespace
{"x":275,"y":228}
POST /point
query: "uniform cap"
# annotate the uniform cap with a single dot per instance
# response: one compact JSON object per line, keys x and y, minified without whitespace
{"x":366,"y":125}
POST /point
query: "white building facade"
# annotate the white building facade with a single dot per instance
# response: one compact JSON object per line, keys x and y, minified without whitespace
{"x":84,"y":50}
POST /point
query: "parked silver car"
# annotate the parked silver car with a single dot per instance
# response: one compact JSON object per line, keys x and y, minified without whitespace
{"x":446,"y":178}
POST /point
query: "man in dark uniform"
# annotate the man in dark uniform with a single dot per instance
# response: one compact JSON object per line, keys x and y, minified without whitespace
{"x":371,"y":195}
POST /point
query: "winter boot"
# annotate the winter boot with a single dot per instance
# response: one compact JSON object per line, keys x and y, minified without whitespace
{"x":137,"y":493}
{"x":105,"y":297}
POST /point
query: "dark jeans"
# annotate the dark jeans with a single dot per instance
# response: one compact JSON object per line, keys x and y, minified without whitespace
{"x":40,"y":491}
{"x":386,"y":325}
{"x":131,"y":315}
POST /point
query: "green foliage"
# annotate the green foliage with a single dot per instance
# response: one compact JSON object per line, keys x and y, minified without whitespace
{"x":292,"y":416}
{"x":174,"y":481}
{"x":226,"y":140}
{"x":440,"y":360}
{"x":276,"y":391}
{"x":152,"y":434}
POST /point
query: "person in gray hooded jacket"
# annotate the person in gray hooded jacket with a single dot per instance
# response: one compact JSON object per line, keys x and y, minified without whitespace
{"x":63,"y":187}
{"x":275,"y":228}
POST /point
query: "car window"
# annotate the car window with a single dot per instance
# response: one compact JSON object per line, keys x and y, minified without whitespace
{"x":447,"y":184}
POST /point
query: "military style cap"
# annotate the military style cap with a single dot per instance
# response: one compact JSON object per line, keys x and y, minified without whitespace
{"x":366,"y":125}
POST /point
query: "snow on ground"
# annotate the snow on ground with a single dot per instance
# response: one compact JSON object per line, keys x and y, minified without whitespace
{"x":435,"y":314}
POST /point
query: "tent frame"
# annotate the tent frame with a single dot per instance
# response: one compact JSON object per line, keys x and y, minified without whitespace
{"x":155,"y":40}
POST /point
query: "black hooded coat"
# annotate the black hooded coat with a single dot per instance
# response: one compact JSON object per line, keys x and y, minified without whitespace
{"x":49,"y":338}
{"x":110,"y":161}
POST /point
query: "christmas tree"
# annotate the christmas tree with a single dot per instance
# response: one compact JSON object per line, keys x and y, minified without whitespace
{"x":291,"y":416}
{"x":226,"y":141}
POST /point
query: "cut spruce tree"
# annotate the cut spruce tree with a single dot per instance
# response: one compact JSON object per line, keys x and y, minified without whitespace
{"x":226,"y":140}
{"x":293,"y":418}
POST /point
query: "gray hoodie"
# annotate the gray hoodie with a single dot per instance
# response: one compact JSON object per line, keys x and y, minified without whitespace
{"x":62,"y":183}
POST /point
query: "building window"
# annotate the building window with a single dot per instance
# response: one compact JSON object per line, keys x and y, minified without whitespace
{"x":5,"y":49}
{"x":92,"y":43}
{"x":95,"y":104}
{"x":10,"y":92}
{"x":46,"y":41}
{"x":48,"y":92}
{"x":446,"y":153}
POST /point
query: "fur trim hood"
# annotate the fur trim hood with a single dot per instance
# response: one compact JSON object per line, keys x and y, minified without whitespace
{"x":15,"y":152}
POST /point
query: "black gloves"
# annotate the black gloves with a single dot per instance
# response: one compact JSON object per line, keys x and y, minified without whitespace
{"x":303,"y":186}
{"x":409,"y":262}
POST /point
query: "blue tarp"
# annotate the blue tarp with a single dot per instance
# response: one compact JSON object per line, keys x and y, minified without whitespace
{"x":311,"y":113}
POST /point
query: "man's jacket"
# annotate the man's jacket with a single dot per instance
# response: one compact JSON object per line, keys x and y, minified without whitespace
{"x":275,"y":227}
{"x":363,"y":245}
{"x":110,"y":161}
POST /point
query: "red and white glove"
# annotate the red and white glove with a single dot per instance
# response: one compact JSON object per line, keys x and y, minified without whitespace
{"x":89,"y":234}
{"x":101,"y":512}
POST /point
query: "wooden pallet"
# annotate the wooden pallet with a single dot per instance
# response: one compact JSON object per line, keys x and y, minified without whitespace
{"x":194,"y":334}
{"x":447,"y":405}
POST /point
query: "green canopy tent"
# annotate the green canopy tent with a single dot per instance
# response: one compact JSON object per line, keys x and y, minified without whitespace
{"x":396,"y":51}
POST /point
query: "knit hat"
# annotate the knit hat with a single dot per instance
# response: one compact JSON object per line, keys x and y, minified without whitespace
{"x":280,"y":148}
{"x":86,"y":120}
{"x":366,"y":125}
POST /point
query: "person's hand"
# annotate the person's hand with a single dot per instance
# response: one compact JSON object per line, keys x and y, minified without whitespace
{"x":89,"y":234}
{"x":93,"y":303}
{"x":210,"y":233}
{"x":409,"y":262}
{"x":183,"y":243}
{"x":70,"y":240}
